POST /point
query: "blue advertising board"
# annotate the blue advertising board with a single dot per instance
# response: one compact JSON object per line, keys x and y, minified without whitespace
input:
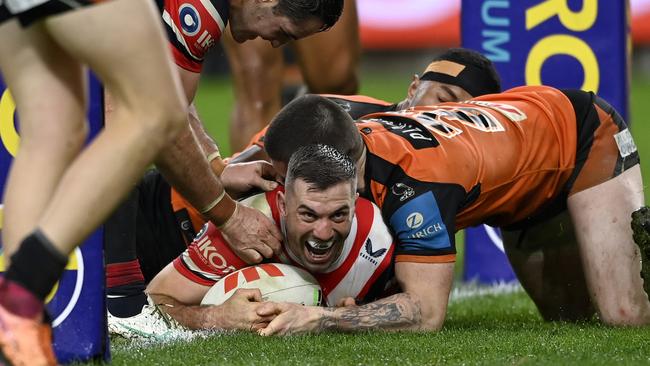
{"x":583,"y":44}
{"x":77,"y":302}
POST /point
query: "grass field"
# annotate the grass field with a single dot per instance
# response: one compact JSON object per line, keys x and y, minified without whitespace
{"x":480,"y":330}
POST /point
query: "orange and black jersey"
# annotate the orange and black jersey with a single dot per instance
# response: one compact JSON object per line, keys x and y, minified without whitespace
{"x":498,"y":159}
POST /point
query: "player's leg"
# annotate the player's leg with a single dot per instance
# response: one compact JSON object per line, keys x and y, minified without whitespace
{"x":137,"y":68}
{"x":602,"y":216}
{"x":97,"y":179}
{"x":47,"y":85}
{"x":257,"y":70}
{"x":329,"y":60}
{"x":607,"y":189}
{"x":546,"y":259}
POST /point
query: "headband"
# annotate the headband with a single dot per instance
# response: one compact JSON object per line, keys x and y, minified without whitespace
{"x":476,"y":81}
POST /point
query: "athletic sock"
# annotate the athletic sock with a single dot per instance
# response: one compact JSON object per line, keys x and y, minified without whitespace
{"x":125,"y":289}
{"x":36,"y":265}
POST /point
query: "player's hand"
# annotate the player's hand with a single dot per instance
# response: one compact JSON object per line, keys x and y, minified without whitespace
{"x":251,"y":235}
{"x":290,"y":318}
{"x":239,"y":312}
{"x":241,"y":178}
{"x":346,"y":301}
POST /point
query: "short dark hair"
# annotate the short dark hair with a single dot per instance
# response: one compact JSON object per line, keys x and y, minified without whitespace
{"x":311,"y":119}
{"x":321,"y":166}
{"x":329,"y":11}
{"x":481,"y":77}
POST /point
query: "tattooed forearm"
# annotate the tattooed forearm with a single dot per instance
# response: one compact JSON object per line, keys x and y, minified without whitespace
{"x":401,"y":311}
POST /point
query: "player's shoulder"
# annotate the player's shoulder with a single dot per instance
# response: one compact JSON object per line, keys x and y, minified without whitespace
{"x":193,"y":28}
{"x":360,"y":105}
{"x":370,"y":222}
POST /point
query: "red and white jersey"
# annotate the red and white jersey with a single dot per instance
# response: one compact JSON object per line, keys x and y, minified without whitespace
{"x":363,"y":271}
{"x":193,"y":27}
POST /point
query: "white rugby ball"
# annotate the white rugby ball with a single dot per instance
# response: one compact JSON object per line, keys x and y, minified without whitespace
{"x":277,"y":282}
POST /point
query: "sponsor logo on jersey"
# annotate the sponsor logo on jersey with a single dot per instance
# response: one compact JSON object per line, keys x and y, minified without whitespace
{"x":190,"y":19}
{"x":209,"y":253}
{"x":371,"y":255}
{"x":402,"y":190}
{"x":418,"y":225}
{"x":414,"y":220}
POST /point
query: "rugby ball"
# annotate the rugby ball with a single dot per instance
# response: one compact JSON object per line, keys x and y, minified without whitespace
{"x":277,"y":282}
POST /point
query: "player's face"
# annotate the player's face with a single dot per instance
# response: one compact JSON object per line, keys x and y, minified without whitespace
{"x":316,"y":223}
{"x":427,"y":92}
{"x":257,"y":19}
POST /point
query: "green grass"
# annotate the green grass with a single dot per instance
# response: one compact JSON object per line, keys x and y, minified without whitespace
{"x":487,"y":330}
{"x":503,"y":329}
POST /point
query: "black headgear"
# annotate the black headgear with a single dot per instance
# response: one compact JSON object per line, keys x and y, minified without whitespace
{"x":477,"y":78}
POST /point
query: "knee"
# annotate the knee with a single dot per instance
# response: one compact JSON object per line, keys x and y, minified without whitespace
{"x":156,"y":124}
{"x":625,"y":314}
{"x":169,"y":122}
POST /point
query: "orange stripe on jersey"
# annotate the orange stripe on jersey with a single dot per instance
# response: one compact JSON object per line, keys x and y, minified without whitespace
{"x":603,"y":155}
{"x":379,"y":192}
{"x":257,"y":139}
{"x":449,"y":258}
{"x":358,"y":98}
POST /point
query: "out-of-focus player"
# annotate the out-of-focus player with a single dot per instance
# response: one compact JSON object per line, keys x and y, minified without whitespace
{"x":511,"y":160}
{"x":328,"y":62}
{"x":58,"y":192}
{"x":342,"y":240}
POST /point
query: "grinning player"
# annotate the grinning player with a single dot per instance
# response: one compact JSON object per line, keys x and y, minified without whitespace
{"x":156,"y":223}
{"x":342,"y":240}
{"x":58,"y":192}
{"x":455,"y":75}
{"x":511,"y":160}
{"x":257,"y":69}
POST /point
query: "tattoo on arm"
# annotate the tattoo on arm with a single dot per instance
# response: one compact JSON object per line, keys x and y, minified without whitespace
{"x":397,"y":312}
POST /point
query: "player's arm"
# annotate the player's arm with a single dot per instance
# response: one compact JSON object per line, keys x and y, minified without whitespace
{"x":420,"y":307}
{"x":182,"y":284}
{"x":184,"y":165}
{"x":180,"y":297}
{"x":425,"y":258}
{"x":237,"y":178}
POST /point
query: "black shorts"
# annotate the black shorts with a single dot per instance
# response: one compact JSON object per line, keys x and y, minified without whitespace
{"x":146,"y":227}
{"x":35,"y":12}
{"x":605,"y":149}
